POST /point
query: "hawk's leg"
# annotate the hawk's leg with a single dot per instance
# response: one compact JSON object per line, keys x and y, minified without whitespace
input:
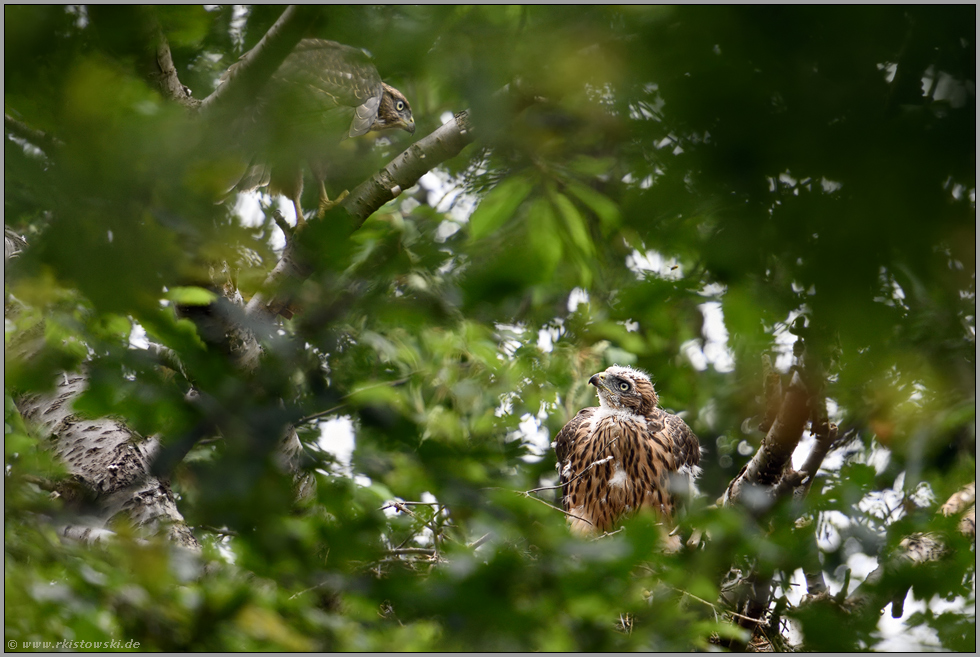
{"x":320,"y":167}
{"x":290,"y":185}
{"x":326,"y":205}
{"x":300,"y":219}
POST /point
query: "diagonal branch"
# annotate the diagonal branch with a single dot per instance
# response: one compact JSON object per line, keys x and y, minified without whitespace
{"x":41,"y":139}
{"x":247,"y":76}
{"x":401,"y":173}
{"x":109,"y":460}
{"x":764,"y":472}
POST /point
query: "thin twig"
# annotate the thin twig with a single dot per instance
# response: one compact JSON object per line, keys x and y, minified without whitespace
{"x":478,"y":542}
{"x":412,"y":550}
{"x":538,"y":499}
{"x":717,"y":608}
{"x":258,"y":64}
{"x":578,"y":476}
{"x":329,"y":411}
{"x":37,"y":137}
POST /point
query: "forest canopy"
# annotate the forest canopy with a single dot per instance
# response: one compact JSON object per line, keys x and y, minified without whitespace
{"x":223,"y":432}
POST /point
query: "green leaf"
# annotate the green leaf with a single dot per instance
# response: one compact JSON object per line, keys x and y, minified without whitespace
{"x":191,"y":296}
{"x":498,"y":206}
{"x":575,"y":224}
{"x":542,"y":226}
{"x":604,"y":208}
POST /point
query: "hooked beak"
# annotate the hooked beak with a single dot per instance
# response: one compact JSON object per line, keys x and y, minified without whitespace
{"x":599,"y":380}
{"x":410,"y":126}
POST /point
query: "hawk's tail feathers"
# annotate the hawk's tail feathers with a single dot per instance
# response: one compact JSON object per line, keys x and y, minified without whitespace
{"x":255,"y":176}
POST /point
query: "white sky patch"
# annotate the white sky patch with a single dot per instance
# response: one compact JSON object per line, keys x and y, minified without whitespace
{"x":897,"y":636}
{"x":946,"y":87}
{"x":535,"y":436}
{"x":692,"y":349}
{"x":830,"y":525}
{"x":576,"y":297}
{"x":879,"y":457}
{"x":797,"y":589}
{"x":29,"y":149}
{"x":716,"y":349}
{"x":248,"y":208}
{"x":830,"y":186}
{"x":509,"y":337}
{"x":548,"y":335}
{"x":715,"y":290}
{"x":653,"y":262}
{"x":446,"y":195}
{"x":137,"y":337}
{"x":646,"y":183}
{"x":708,"y":415}
{"x":889,"y":68}
{"x":236,"y":30}
{"x":337,"y":438}
{"x":80,"y":12}
{"x":885,"y":505}
{"x":713,"y":349}
{"x":803,"y":449}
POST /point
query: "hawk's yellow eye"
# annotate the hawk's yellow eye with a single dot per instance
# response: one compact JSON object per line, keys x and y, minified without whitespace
{"x":624,"y":386}
{"x":399,"y":106}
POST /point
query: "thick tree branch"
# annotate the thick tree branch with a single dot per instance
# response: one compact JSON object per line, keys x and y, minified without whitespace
{"x":402,"y":172}
{"x":769,"y":477}
{"x":917,"y":549}
{"x":41,"y":139}
{"x":246,"y":77}
{"x":766,"y":469}
{"x":405,"y":170}
{"x":167,"y":81}
{"x":109,"y":460}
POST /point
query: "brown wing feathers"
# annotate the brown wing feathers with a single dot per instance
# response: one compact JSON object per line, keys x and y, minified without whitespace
{"x":621,"y":456}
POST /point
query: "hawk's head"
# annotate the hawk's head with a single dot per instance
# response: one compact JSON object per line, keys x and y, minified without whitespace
{"x":393,"y":112}
{"x":623,"y":388}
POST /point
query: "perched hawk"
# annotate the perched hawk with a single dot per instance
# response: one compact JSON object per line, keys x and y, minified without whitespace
{"x":324,"y":92}
{"x":623,"y":455}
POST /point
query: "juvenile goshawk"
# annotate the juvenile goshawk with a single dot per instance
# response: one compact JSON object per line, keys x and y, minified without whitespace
{"x":324,"y":92}
{"x":623,"y":455}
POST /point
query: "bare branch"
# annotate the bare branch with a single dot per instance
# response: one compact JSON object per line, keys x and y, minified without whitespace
{"x":109,"y":459}
{"x":773,"y":387}
{"x":578,"y":476}
{"x":167,"y":80}
{"x":917,"y":548}
{"x":400,"y":174}
{"x":406,"y":169}
{"x":247,"y":76}
{"x":826,"y":437}
{"x":39,"y":138}
{"x":766,"y":468}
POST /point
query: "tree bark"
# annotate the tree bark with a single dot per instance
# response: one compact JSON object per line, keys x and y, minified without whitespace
{"x":111,"y":462}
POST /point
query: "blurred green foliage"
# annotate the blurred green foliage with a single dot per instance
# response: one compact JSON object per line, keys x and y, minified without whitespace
{"x":809,"y":170}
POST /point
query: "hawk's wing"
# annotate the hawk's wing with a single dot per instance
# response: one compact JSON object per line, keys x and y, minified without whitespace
{"x":320,"y":76}
{"x":684,"y":444}
{"x":324,"y":90}
{"x":565,"y":441}
{"x":684,"y":449}
{"x":325,"y":75}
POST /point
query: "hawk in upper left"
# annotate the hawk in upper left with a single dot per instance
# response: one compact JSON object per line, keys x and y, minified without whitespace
{"x":624,"y":455}
{"x":323,"y":93}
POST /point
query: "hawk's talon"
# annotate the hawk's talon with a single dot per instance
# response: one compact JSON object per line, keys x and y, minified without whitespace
{"x":326,"y":205}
